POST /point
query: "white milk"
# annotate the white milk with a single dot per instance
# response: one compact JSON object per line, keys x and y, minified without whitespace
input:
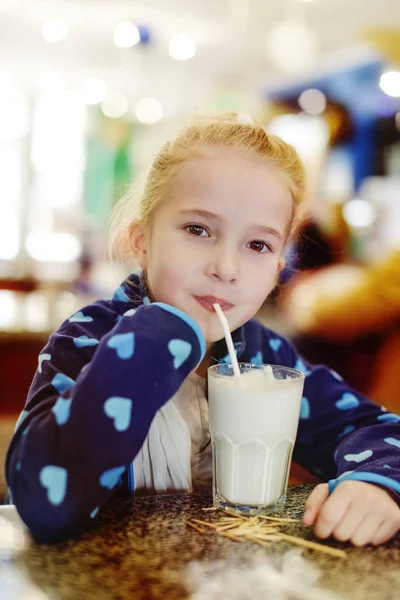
{"x":253,"y":424}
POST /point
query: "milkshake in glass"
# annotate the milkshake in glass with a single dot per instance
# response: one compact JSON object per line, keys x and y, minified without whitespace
{"x":253,"y":425}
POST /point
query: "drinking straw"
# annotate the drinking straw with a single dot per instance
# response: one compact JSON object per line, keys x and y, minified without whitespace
{"x":228,"y":339}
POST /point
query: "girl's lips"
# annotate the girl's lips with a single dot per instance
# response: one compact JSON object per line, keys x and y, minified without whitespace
{"x":208,"y":301}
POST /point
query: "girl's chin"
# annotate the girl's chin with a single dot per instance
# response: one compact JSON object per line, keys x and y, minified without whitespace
{"x":213,"y":334}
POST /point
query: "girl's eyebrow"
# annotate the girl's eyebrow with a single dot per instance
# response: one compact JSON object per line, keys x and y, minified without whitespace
{"x":200,"y":213}
{"x":268,"y":231}
{"x":212,"y":216}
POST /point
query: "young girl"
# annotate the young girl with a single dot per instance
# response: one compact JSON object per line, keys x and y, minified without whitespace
{"x":118,"y":403}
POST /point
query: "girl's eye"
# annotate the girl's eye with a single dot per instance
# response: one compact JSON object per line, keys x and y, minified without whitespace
{"x":259,"y":246}
{"x":197,"y":230}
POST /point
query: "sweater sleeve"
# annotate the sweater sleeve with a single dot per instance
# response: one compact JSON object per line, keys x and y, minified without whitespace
{"x":99,"y":383}
{"x":341,"y":434}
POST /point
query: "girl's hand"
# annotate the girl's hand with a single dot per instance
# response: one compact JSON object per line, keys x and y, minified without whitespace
{"x":356,"y":511}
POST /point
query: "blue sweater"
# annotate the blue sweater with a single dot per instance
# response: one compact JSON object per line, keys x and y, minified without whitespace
{"x":108,"y":369}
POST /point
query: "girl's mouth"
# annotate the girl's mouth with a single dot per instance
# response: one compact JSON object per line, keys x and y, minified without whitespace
{"x":208,"y":301}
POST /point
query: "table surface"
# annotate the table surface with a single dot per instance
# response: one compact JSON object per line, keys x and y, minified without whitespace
{"x":140,"y":548}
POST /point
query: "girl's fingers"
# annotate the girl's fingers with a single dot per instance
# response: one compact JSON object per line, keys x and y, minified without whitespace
{"x":366,"y":530}
{"x":332,"y":513}
{"x":385,"y":531}
{"x":349,"y":523}
{"x":314,"y":503}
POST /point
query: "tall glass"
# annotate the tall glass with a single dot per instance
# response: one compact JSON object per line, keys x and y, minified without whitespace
{"x":253,"y":425}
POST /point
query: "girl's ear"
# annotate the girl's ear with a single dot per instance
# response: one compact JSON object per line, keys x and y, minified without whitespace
{"x":138,"y":244}
{"x":281,"y":264}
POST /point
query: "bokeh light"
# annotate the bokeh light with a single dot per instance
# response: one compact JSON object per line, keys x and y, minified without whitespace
{"x":312,"y":101}
{"x":149,"y":111}
{"x":126,"y":35}
{"x":182,"y":47}
{"x":114,"y":105}
{"x":55,"y":30}
{"x":390,"y":83}
{"x":359,"y":213}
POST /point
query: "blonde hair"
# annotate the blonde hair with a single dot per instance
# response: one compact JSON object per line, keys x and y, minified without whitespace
{"x":229,"y":130}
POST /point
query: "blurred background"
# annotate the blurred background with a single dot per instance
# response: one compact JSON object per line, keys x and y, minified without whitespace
{"x":90,"y":89}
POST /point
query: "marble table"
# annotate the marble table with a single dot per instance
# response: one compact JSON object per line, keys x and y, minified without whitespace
{"x":139,"y":549}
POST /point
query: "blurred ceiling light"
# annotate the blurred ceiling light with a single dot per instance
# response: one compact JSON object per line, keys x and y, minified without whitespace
{"x":94,"y":90}
{"x":149,"y":111}
{"x":114,"y":105}
{"x":182,"y":47}
{"x":126,"y":35}
{"x":390,"y":83}
{"x":291,"y":46}
{"x":46,"y":246}
{"x":312,"y":101}
{"x":5,"y":79}
{"x":50,"y":80}
{"x":55,"y":30}
{"x":359,"y":213}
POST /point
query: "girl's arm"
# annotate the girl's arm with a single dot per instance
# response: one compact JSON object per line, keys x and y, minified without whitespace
{"x":342,"y":435}
{"x":99,"y":383}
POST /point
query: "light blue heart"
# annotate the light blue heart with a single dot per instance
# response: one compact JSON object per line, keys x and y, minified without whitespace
{"x":346,"y":430}
{"x":110,"y":478}
{"x":120,"y":410}
{"x":54,"y":479}
{"x":61,"y":410}
{"x":146,"y":301}
{"x":130,"y":312}
{"x":121,"y":295}
{"x":94,"y":512}
{"x":123,"y":344}
{"x":359,"y":457}
{"x":84,"y":340}
{"x":275,"y":344}
{"x":347,"y":401}
{"x":387,"y":467}
{"x":258,"y":359}
{"x":180,"y":350}
{"x":42,"y":358}
{"x":20,"y":419}
{"x":62,"y":383}
{"x":79,"y":317}
{"x":305,"y":408}
{"x":389,"y":418}
{"x":392,"y":442}
{"x":227,"y":358}
{"x":300,"y":366}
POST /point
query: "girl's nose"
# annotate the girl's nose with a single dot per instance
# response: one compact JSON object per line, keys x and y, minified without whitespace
{"x":223,"y":267}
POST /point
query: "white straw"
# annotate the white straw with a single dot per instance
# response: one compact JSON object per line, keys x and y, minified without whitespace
{"x":228,"y":339}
